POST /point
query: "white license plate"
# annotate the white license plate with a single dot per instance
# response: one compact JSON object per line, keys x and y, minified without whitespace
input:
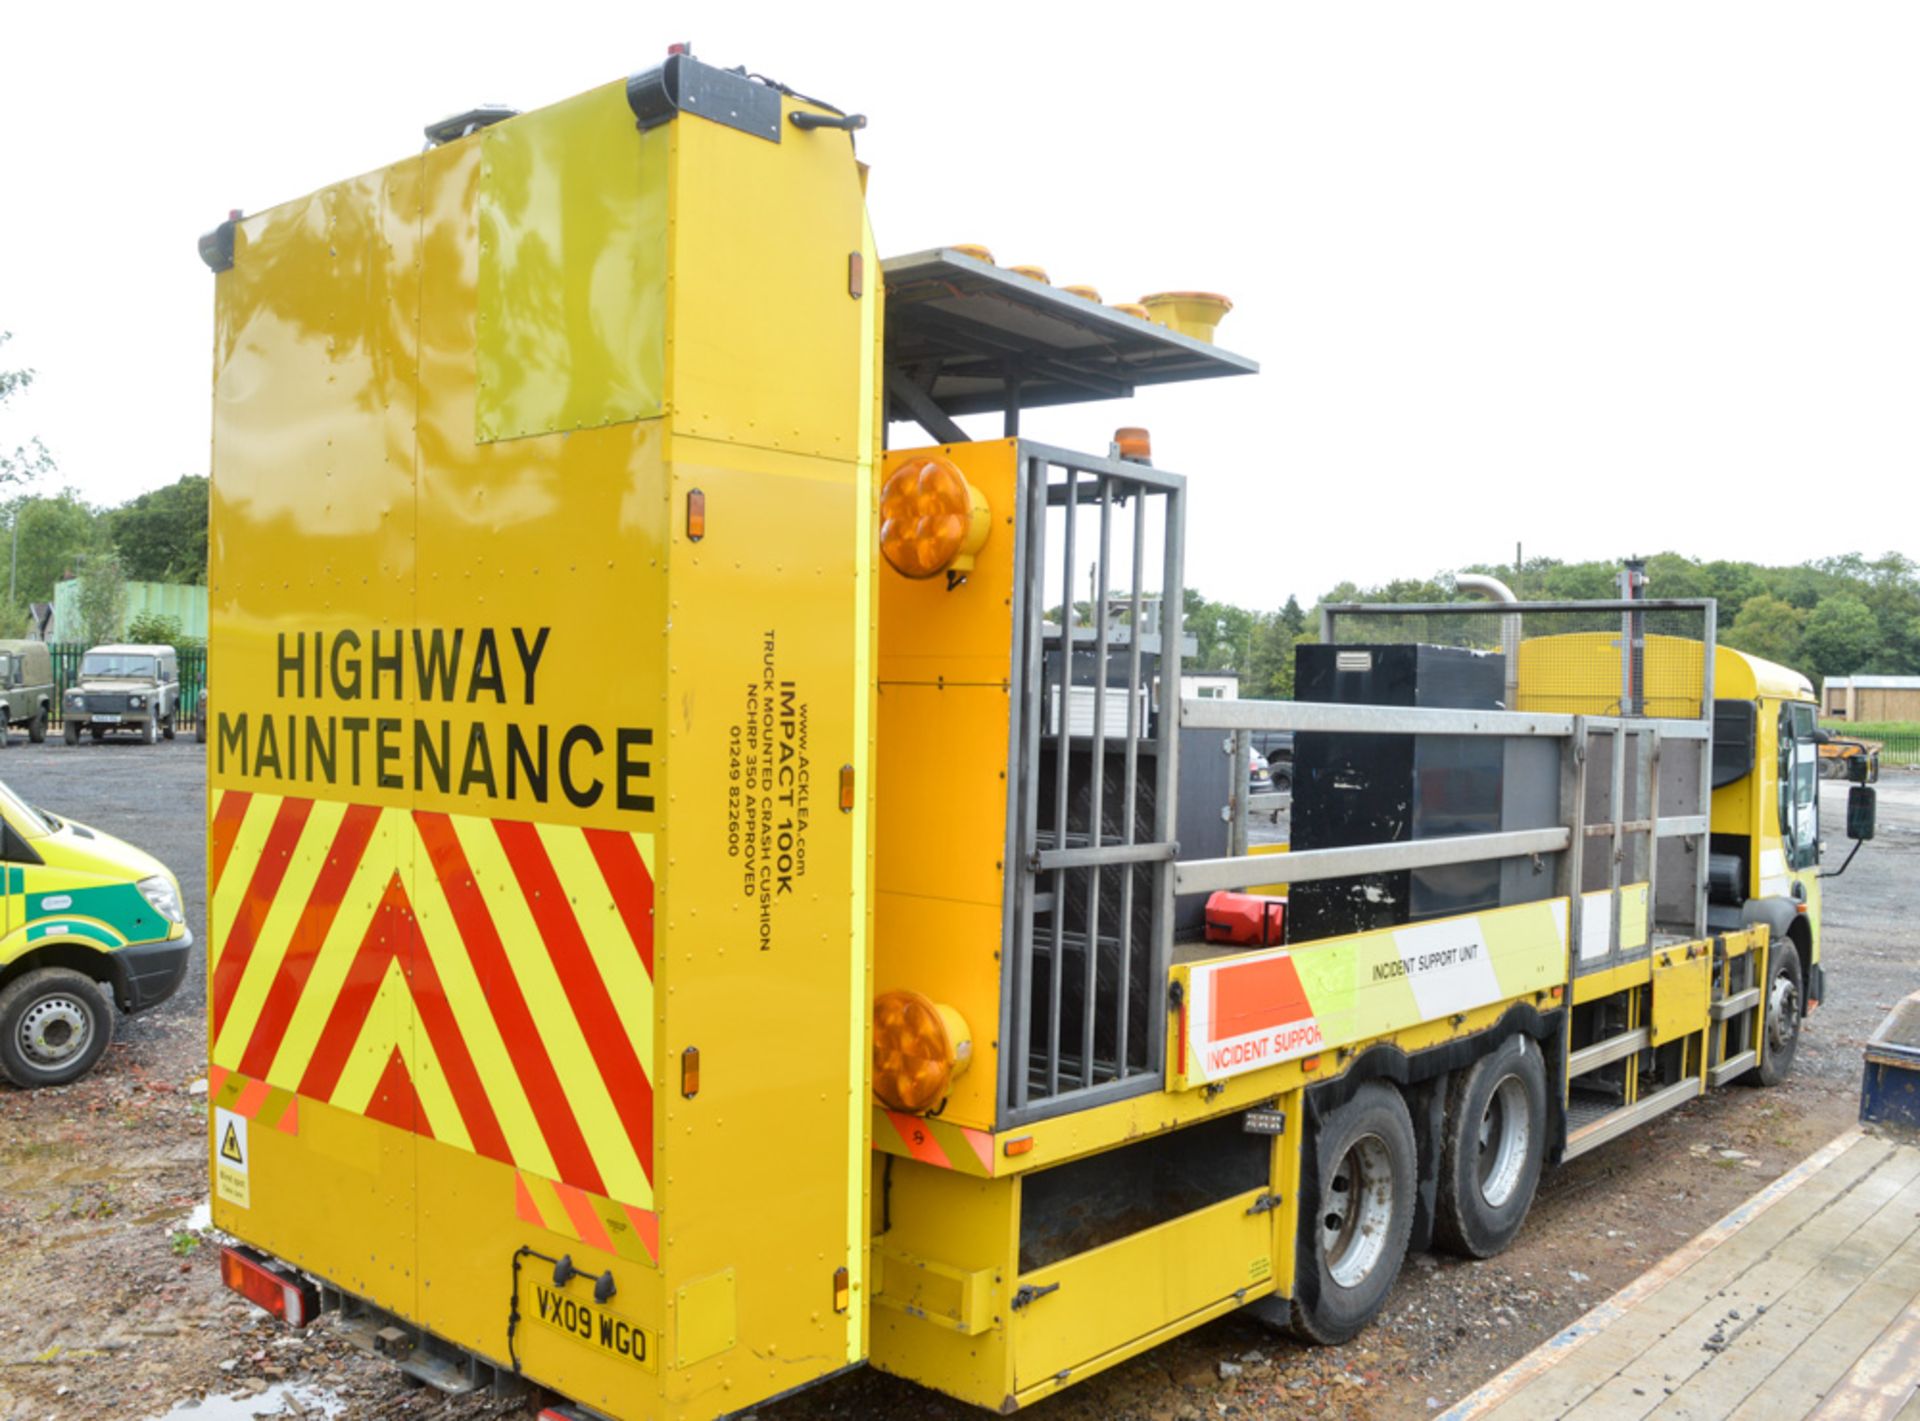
{"x":106,"y":720}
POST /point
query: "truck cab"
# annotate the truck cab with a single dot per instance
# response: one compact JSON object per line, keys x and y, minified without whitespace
{"x":1765,"y":849}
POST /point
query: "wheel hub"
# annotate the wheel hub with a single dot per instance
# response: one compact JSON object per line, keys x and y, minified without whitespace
{"x":1783,"y":1014}
{"x":1504,"y":1136}
{"x":55,"y":1030}
{"x":1358,"y":1211}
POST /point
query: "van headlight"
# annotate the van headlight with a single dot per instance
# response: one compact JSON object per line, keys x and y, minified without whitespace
{"x":163,"y":897}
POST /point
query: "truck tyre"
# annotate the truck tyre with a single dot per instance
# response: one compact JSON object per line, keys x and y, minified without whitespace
{"x":54,"y":1024}
{"x":1786,"y":1005}
{"x":1492,"y":1150}
{"x":1356,"y":1239}
{"x":37,"y":727}
{"x":71,"y":732}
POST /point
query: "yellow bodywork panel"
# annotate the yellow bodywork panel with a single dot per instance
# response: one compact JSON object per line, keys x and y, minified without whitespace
{"x":1682,"y":986}
{"x":705,"y":1319}
{"x":945,"y":665}
{"x":521,"y":788}
{"x":959,"y":1298}
{"x":1097,"y":1302}
{"x":573,"y":270}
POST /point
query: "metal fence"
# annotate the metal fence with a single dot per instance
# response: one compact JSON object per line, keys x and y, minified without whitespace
{"x":192,"y":661}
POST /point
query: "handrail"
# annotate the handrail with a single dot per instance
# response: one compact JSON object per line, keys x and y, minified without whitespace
{"x":1367,"y":720}
{"x":1306,"y":865}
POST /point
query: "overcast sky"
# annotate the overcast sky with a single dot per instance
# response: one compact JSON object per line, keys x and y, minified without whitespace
{"x":1594,"y":279}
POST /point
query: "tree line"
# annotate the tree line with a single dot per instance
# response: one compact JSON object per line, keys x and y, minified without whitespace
{"x":156,"y":536}
{"x":1831,"y":617}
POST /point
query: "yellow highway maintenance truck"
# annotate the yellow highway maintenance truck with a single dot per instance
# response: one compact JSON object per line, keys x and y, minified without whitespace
{"x":701,"y":899}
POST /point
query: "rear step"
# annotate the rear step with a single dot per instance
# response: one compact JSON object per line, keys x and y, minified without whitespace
{"x":447,"y":1368}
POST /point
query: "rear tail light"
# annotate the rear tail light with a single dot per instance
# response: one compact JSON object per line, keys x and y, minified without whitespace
{"x":282,"y":1292}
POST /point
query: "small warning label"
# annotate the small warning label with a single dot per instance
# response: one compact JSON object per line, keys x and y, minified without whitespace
{"x":230,"y":1174}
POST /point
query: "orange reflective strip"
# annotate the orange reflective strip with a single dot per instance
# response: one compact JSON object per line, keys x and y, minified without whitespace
{"x":587,"y":1226}
{"x":646,"y":1226}
{"x":523,"y":1205}
{"x":252,"y":1096}
{"x":918,"y":1139}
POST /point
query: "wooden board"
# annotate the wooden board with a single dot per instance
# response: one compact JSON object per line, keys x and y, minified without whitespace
{"x":1803,"y":1302}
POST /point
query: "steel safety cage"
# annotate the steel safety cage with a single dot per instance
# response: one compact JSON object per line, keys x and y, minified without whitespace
{"x":1090,"y":843}
{"x":1635,"y":790}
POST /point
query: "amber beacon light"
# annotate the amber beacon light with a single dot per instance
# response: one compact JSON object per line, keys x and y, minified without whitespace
{"x":932,"y":520}
{"x":919,"y":1047}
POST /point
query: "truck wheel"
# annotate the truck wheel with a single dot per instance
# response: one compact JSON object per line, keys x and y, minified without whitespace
{"x":37,"y":727}
{"x":54,"y":1024}
{"x":71,"y":732}
{"x":1491,"y":1156}
{"x":1786,"y":1004}
{"x":1356,"y":1238}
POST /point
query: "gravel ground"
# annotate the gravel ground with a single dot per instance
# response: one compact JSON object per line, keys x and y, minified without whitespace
{"x":110,"y":1304}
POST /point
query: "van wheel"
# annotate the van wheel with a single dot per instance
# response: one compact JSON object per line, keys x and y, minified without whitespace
{"x":54,"y":1024}
{"x":1357,"y":1236}
{"x":1491,"y":1156}
{"x":1786,"y":1004}
{"x":71,"y":732}
{"x":37,"y":727}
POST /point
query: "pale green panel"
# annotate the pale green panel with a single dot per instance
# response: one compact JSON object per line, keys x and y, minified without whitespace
{"x":572,"y":317}
{"x":1528,"y":945}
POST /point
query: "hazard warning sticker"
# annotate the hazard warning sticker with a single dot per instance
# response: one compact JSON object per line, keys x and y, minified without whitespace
{"x":230,"y":1158}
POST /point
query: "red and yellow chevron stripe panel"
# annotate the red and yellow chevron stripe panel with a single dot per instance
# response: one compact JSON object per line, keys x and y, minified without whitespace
{"x":487,"y":983}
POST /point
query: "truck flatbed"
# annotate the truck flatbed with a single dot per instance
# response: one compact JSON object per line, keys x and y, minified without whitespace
{"x":1803,"y":1302}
